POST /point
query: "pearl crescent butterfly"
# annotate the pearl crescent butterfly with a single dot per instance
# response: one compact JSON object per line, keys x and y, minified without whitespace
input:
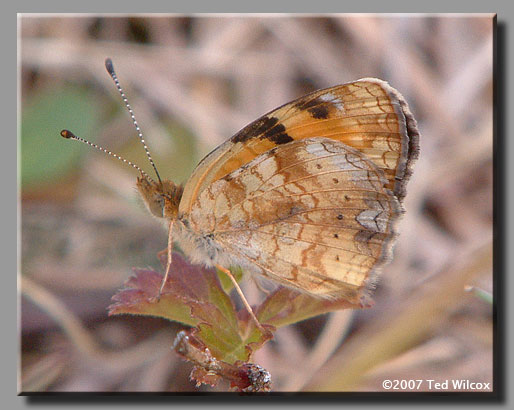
{"x":307,"y":196}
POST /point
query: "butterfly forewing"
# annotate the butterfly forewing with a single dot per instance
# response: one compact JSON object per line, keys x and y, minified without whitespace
{"x":367,"y":114}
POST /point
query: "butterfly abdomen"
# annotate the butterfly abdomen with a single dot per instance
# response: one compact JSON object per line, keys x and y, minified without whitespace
{"x":201,"y":248}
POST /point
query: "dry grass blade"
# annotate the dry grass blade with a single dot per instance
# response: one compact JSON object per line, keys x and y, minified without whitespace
{"x":333,"y":333}
{"x":41,"y":374}
{"x":83,"y":340}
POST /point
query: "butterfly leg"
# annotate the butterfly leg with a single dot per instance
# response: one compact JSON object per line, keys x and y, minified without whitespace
{"x":168,"y":263}
{"x":245,"y":302}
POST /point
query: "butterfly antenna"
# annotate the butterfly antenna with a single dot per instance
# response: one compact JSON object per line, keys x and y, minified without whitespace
{"x":71,"y":136}
{"x":110,"y":69}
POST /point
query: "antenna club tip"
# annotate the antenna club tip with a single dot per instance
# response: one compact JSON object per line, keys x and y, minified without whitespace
{"x":109,"y":66}
{"x":67,"y":134}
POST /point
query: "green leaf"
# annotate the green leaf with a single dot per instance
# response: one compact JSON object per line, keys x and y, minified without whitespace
{"x":45,"y":156}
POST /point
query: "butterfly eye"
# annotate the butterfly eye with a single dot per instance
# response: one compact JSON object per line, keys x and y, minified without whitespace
{"x":155,"y":205}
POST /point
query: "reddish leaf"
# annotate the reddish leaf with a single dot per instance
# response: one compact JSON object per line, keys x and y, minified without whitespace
{"x":285,"y":306}
{"x":139,"y":297}
{"x":194,"y":296}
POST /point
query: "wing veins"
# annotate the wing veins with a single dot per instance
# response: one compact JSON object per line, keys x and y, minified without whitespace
{"x":302,"y":179}
{"x":312,"y":243}
{"x":314,"y":273}
{"x":319,"y":121}
{"x":325,"y":190}
{"x":295,"y":164}
{"x":348,"y":228}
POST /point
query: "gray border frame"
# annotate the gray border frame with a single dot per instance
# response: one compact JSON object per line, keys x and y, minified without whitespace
{"x":503,"y":195}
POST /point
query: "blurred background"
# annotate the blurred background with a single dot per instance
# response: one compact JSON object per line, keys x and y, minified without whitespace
{"x":193,"y":82}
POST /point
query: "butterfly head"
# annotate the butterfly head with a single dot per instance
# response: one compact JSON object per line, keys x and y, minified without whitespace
{"x":161,"y":198}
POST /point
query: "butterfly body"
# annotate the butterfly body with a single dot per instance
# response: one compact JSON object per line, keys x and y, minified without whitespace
{"x":307,"y":196}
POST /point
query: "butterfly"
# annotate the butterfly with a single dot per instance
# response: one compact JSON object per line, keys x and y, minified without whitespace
{"x":307,"y":196}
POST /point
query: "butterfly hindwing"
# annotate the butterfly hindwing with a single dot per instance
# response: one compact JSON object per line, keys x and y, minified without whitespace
{"x":313,"y":214}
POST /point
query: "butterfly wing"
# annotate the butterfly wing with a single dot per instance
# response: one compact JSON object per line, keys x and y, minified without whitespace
{"x":367,"y":115}
{"x":314,"y":214}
